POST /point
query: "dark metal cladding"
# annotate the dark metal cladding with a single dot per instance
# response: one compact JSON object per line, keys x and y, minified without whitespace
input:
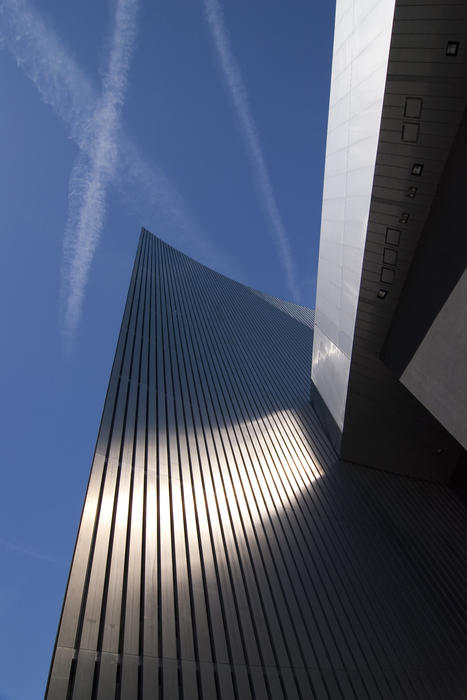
{"x":223,"y":551}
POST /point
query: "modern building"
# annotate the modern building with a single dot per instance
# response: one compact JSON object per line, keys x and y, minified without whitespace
{"x":390,"y":344}
{"x":237,"y":539}
{"x":223,"y":550}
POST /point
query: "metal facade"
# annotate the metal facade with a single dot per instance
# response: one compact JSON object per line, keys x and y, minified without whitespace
{"x":362,"y":37}
{"x":398,"y":95}
{"x":223,"y":551}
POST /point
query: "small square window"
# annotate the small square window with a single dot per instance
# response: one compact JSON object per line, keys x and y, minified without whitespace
{"x":417,"y":169}
{"x":389,"y":256}
{"x":392,"y":236}
{"x":452,"y":48}
{"x":413,"y":107}
{"x":387,"y":275}
{"x":409,"y":132}
{"x":382,"y":293}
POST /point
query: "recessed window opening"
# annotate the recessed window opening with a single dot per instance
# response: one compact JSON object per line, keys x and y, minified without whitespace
{"x":452,"y":48}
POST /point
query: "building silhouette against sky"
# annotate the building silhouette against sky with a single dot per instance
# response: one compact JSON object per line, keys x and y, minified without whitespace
{"x":241,"y":539}
{"x":223,"y":550}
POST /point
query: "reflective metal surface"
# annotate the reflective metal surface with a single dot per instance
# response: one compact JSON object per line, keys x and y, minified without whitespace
{"x":223,"y":552}
{"x":362,"y":37}
{"x":397,"y":100}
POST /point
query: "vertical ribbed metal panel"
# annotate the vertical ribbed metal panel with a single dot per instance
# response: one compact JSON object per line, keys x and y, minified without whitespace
{"x":223,"y":552}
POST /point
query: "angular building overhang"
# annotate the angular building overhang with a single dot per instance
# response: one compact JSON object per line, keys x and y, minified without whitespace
{"x":398,"y":96}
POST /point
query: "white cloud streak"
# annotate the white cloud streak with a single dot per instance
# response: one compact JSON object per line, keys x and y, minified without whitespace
{"x":42,"y":57}
{"x":64,"y":86}
{"x":12,"y":547}
{"x":95,"y":167}
{"x":238,"y":92}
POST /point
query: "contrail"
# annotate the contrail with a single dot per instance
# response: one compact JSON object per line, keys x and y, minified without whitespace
{"x":95,"y":167}
{"x":27,"y":552}
{"x":40,"y":54}
{"x":237,"y":89}
{"x":64,"y":86}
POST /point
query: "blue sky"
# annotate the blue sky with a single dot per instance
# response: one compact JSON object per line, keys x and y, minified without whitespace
{"x":204,"y":121}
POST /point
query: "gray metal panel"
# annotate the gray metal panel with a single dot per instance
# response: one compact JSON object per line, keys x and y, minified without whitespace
{"x":82,"y":682}
{"x":223,"y":551}
{"x":109,"y":677}
{"x":130,"y":676}
{"x":60,"y":681}
{"x":368,"y":405}
{"x":79,"y":568}
{"x":150,"y":685}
